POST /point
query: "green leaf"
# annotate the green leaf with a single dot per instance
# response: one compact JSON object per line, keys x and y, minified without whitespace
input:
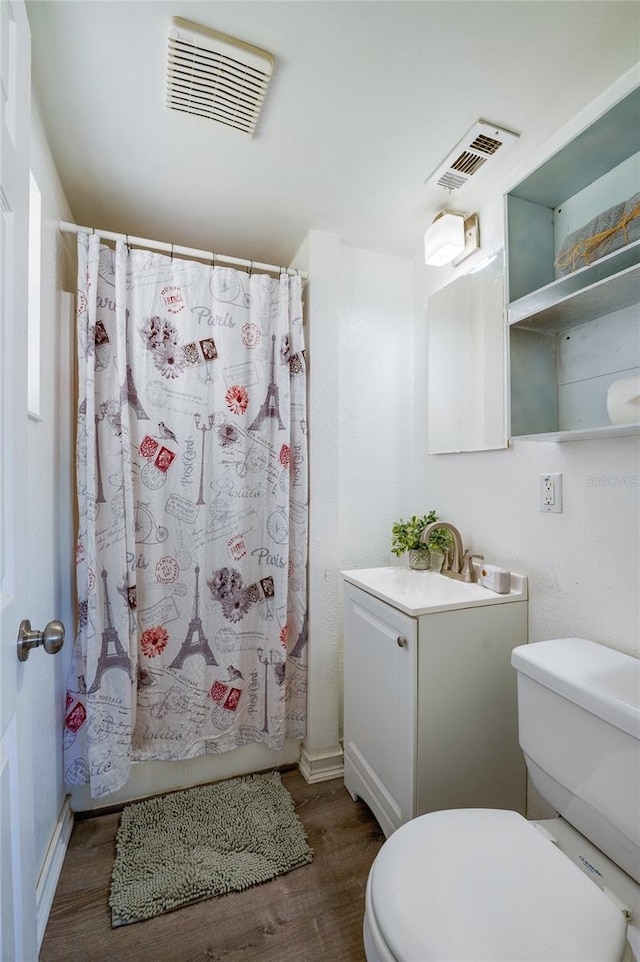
{"x":406,"y":534}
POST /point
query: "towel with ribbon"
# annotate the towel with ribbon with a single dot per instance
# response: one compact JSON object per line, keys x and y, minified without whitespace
{"x":607,"y":232}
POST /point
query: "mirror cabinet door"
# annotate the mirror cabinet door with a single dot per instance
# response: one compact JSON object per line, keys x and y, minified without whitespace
{"x":466,"y":362}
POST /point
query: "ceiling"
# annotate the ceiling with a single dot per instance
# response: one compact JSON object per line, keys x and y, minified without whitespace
{"x":367,"y":99}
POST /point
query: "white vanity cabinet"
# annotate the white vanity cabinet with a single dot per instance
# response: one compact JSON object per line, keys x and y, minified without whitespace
{"x":430,"y":713}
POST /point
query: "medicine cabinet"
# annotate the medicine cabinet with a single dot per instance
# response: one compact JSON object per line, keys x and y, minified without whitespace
{"x":466,"y":362}
{"x":571,"y":337}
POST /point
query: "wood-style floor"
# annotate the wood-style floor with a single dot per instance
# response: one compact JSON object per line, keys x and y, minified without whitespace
{"x":313,"y":914}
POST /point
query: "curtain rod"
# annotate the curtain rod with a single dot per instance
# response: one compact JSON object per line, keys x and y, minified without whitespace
{"x":172,"y":249}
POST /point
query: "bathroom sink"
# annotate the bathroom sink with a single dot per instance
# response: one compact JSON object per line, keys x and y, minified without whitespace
{"x":421,"y":592}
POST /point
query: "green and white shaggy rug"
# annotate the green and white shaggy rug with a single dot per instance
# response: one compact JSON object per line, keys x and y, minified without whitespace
{"x":205,"y":841}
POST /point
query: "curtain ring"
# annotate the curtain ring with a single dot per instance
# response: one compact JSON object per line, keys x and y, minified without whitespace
{"x":93,"y":230}
{"x":213,"y":260}
{"x":250,"y":268}
{"x":127,"y":243}
{"x":172,"y":252}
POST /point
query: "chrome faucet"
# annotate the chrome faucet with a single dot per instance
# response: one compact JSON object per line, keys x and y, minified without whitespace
{"x":459,"y":565}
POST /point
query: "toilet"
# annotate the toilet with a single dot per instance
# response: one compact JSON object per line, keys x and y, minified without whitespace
{"x":479,"y":885}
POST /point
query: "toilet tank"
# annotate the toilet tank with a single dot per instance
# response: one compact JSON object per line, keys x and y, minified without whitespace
{"x":579,"y":729}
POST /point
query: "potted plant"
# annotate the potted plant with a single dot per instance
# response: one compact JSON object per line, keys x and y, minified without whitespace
{"x":406,"y":537}
{"x":440,"y":541}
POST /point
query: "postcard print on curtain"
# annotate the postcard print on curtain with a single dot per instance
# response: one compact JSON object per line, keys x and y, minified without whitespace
{"x":192,"y":500}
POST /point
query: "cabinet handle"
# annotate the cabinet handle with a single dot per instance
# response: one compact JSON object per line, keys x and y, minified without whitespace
{"x":402,"y":641}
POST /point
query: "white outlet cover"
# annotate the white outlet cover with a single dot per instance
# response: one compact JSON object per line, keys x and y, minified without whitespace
{"x":550,"y":484}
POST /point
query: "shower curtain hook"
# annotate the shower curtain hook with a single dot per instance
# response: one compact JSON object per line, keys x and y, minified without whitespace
{"x":250,"y":268}
{"x":213,"y":260}
{"x":127,"y":243}
{"x":172,"y":252}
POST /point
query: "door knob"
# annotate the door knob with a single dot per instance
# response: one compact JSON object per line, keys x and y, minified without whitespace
{"x":51,"y":639}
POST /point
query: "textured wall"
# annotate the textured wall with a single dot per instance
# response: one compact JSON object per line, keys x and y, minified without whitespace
{"x":376,"y":420}
{"x":582,"y":564}
{"x":321,"y":336}
{"x":359,"y":333}
{"x":376,"y":406}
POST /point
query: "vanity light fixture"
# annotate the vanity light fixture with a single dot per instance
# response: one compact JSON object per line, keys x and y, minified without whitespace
{"x":444,"y":240}
{"x":451,"y":237}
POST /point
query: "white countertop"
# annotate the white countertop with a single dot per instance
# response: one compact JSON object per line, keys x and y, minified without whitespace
{"x":422,"y":592}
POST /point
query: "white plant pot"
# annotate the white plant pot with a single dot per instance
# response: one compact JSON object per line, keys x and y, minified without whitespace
{"x":419,"y":559}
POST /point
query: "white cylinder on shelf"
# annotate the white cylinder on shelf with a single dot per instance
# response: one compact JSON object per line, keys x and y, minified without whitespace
{"x":623,"y":400}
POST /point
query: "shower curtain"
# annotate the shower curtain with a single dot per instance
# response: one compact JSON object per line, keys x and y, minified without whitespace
{"x":192,"y":501}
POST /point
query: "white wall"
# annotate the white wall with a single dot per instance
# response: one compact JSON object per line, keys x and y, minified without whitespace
{"x":376,"y":405}
{"x":49,"y":482}
{"x":319,"y":256}
{"x":359,"y":331}
{"x":583,"y":564}
{"x":376,"y":409}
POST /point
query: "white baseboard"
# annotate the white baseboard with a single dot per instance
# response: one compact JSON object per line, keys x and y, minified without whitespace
{"x":321,"y":766}
{"x":52,"y":866}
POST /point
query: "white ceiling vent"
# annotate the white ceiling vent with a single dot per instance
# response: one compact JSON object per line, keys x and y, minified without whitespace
{"x":217,"y":77}
{"x":475,"y":151}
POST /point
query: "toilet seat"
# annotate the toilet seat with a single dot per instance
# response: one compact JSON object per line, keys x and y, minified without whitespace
{"x":484,"y":884}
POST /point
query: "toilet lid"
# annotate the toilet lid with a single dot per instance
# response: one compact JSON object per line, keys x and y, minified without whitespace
{"x":479,"y":884}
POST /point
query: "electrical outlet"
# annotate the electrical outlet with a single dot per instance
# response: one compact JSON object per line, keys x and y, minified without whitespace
{"x":550,"y":493}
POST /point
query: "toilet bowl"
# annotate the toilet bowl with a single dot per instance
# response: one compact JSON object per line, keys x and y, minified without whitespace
{"x":484,"y":885}
{"x":480,"y":884}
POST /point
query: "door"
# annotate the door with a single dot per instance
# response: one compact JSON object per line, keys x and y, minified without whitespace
{"x":17,"y":883}
{"x":380,"y":652}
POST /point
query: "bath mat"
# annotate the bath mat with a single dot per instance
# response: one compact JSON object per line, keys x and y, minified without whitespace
{"x":206,"y":841}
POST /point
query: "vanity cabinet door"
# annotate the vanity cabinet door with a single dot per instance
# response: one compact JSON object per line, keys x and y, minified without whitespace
{"x":380,"y":657}
{"x":468,"y":755}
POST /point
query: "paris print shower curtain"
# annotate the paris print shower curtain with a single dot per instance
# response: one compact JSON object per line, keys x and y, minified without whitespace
{"x":192,"y":501}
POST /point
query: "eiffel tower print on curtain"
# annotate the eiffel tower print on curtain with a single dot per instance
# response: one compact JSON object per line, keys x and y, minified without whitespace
{"x":271,"y":405}
{"x":112,"y":654}
{"x":200,"y":646}
{"x":129,"y":395}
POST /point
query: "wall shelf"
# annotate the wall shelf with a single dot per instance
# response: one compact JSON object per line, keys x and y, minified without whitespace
{"x":585,"y":434}
{"x":572,"y":337}
{"x":601,"y":288}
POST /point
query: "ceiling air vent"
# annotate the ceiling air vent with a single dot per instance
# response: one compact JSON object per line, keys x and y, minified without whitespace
{"x":477,"y":148}
{"x":215,"y":76}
